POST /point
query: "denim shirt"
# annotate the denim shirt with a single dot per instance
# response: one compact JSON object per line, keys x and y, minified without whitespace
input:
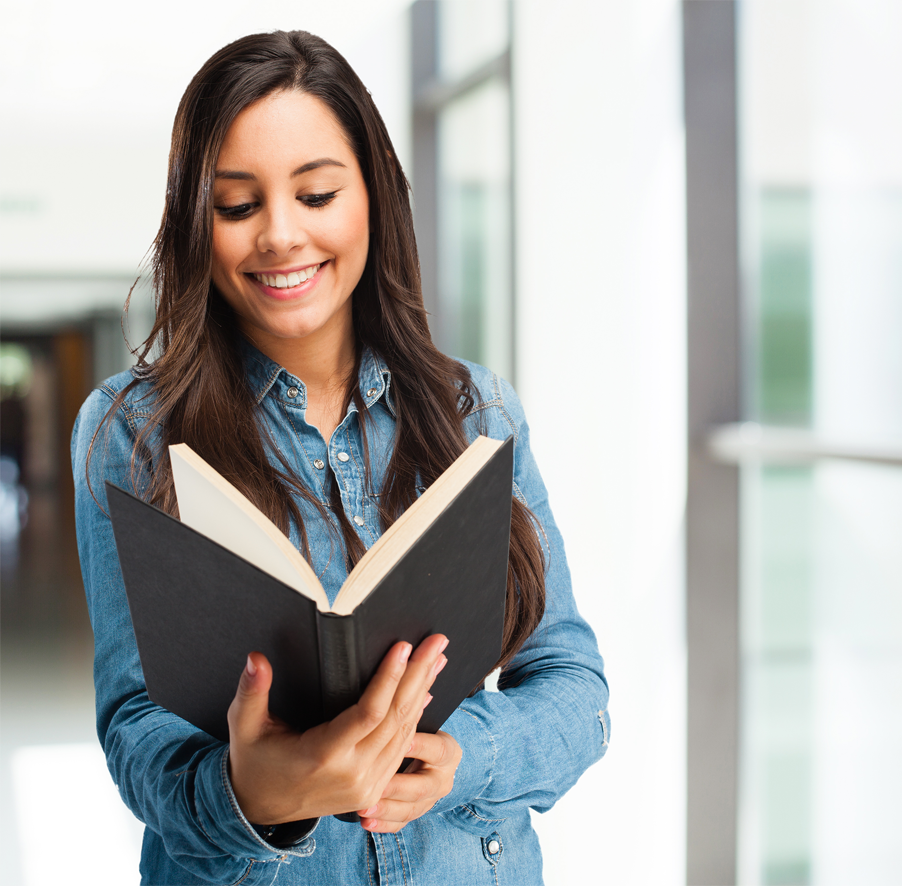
{"x":523,"y":746}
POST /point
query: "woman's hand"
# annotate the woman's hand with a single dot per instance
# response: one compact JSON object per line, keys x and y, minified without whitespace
{"x":415,"y":791}
{"x":281,"y":775}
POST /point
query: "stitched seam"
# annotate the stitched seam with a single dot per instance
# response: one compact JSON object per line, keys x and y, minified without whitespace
{"x":124,"y":408}
{"x":382,"y":851}
{"x":275,"y":875}
{"x":386,"y":392}
{"x":371,"y":377}
{"x":478,"y":817}
{"x":401,"y":857}
{"x":232,"y":803}
{"x":245,"y":875}
{"x":240,"y":814}
{"x":369,"y":873}
{"x":274,"y":373}
{"x":200,"y":824}
{"x":514,"y":429}
{"x":361,"y":474}
{"x":300,"y":440}
{"x":322,"y":496}
{"x":485,"y":404}
{"x":494,"y":755}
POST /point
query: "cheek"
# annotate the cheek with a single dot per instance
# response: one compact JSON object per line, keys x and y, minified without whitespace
{"x":355,"y":235}
{"x":225,"y":253}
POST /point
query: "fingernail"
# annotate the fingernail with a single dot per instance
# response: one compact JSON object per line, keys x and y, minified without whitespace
{"x":428,"y":699}
{"x":406,"y":649}
{"x":368,"y":812}
{"x":251,"y":668}
{"x":444,"y":645}
{"x":439,"y":664}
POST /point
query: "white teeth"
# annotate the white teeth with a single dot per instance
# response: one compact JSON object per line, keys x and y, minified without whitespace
{"x":288,"y":281}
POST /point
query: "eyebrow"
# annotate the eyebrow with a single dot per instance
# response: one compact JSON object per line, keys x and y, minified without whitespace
{"x":236,"y":175}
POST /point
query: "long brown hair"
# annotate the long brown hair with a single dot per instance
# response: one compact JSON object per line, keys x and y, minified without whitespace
{"x":191,"y":356}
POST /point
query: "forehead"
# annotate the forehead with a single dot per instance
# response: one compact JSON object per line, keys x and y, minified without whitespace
{"x":288,"y":127}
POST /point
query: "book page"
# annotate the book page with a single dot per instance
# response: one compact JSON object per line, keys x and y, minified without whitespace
{"x":401,"y":535}
{"x":212,"y":506}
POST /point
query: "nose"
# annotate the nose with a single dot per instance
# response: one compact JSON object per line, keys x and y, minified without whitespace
{"x":282,"y":229}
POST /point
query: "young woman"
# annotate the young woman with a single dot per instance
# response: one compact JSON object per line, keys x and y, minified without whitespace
{"x":291,"y":350}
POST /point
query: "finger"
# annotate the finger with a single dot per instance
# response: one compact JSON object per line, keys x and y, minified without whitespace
{"x":406,"y":788}
{"x":375,"y":704}
{"x":379,"y":826}
{"x":249,"y":711}
{"x":392,"y":738}
{"x":389,"y":815}
{"x":407,"y":797}
{"x":431,"y":749}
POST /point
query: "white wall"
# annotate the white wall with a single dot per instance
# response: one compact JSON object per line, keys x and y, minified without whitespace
{"x":90,"y":92}
{"x":600,"y":343}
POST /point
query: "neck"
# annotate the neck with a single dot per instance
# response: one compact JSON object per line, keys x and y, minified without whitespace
{"x":324,"y":363}
{"x":325,"y":370}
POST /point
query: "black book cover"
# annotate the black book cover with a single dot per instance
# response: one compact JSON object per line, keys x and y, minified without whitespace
{"x":198,"y":610}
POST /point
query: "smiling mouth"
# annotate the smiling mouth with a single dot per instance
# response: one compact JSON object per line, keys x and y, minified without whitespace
{"x":287,"y":281}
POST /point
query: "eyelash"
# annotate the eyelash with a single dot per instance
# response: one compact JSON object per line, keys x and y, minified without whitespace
{"x":243,"y":210}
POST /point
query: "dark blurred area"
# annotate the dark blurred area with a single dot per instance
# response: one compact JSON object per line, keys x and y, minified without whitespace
{"x":45,"y":635}
{"x":45,"y":379}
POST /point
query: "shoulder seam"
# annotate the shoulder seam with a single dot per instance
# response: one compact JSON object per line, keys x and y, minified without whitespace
{"x":496,"y":402}
{"x":128,"y":413}
{"x":496,"y":383}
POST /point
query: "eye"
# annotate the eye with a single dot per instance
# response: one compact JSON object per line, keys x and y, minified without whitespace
{"x":242,"y":210}
{"x":317,"y":201}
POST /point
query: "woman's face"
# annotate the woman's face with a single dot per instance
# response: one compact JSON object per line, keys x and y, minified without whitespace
{"x":291,"y":225}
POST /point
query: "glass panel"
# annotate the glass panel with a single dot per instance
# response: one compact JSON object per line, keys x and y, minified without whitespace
{"x":822,"y":667}
{"x":783,"y":381}
{"x":474,"y":228}
{"x":777,"y":732}
{"x":471,"y":32}
{"x":821,"y":222}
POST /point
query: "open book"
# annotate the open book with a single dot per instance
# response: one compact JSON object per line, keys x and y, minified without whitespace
{"x":223,"y":582}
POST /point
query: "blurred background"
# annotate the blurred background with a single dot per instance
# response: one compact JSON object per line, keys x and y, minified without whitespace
{"x":677,"y":228}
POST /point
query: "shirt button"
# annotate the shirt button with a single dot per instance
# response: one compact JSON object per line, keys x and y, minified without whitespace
{"x":493,"y":847}
{"x":358,"y":520}
{"x":343,"y":456}
{"x":293,"y":392}
{"x":319,"y":464}
{"x":370,"y":392}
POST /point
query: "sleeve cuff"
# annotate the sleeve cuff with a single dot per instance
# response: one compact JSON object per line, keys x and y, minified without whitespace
{"x":225,"y":825}
{"x":477,"y":762}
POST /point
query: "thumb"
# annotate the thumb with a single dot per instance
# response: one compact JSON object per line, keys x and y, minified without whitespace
{"x":249,"y":710}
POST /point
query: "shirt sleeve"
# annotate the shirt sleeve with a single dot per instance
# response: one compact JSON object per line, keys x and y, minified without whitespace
{"x":173,"y":777}
{"x":528,"y":743}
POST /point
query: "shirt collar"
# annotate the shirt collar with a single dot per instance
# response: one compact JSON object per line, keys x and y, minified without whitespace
{"x":263,"y":373}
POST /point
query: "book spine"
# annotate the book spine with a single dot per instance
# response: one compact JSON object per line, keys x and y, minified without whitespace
{"x":339,"y":667}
